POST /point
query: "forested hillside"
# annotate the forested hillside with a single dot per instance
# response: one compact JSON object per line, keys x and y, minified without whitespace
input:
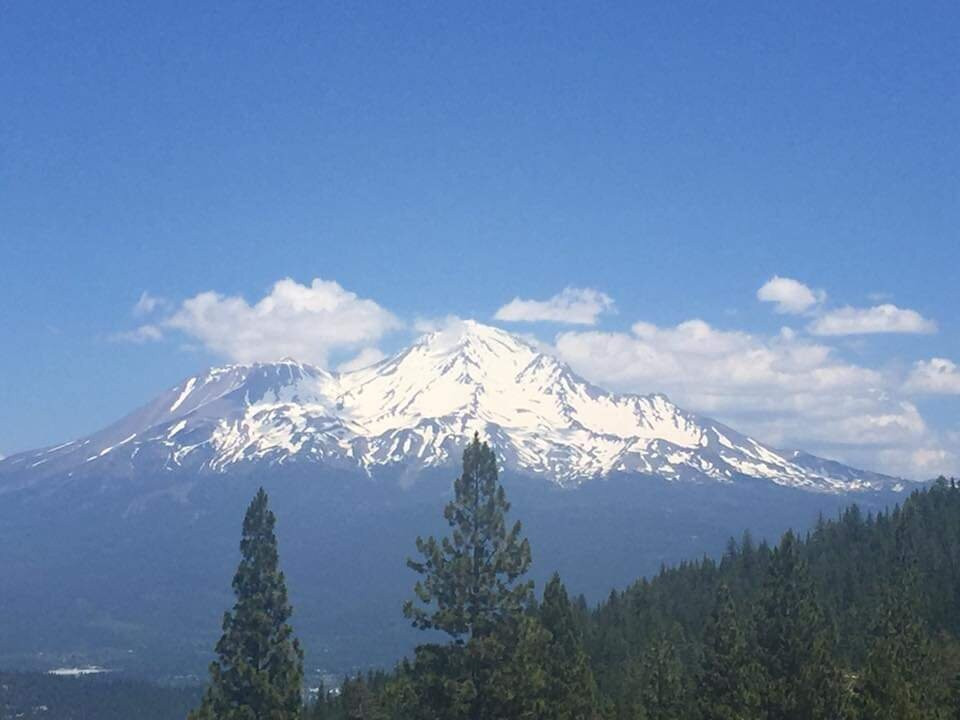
{"x":856,"y":619}
{"x":859,"y":618}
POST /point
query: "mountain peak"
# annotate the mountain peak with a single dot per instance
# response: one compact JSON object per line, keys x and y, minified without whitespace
{"x":470,"y":335}
{"x":417,"y":408}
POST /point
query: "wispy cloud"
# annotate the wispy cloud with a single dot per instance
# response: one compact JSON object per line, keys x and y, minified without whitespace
{"x":140,"y":335}
{"x":885,"y":318}
{"x":147,"y":304}
{"x":789,"y":296}
{"x":572,"y":306}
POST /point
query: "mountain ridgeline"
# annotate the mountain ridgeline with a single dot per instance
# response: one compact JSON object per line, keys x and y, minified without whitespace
{"x":99,"y":536}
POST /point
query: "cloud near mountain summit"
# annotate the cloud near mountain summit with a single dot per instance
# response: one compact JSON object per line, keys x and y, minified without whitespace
{"x":789,"y":388}
{"x":306,"y":322}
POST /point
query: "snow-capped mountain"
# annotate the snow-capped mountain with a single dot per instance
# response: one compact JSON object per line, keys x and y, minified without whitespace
{"x":415,"y":410}
{"x":117,"y":548}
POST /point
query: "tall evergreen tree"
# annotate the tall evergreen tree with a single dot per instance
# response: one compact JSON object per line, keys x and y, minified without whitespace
{"x":895,"y":681}
{"x":800,"y":678}
{"x":662,"y":693}
{"x":726,"y":685}
{"x":570,"y":692}
{"x":259,"y":670}
{"x":898,"y":680}
{"x":469,"y":580}
{"x":471,"y":589}
{"x":518,"y":683}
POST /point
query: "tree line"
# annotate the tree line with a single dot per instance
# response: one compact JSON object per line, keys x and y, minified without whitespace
{"x":855,"y":620}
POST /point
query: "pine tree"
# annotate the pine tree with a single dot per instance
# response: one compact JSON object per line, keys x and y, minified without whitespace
{"x":570,"y":692}
{"x":892,"y":684}
{"x":259,"y":669}
{"x":662,"y":688}
{"x":518,"y":683}
{"x":898,"y":680}
{"x":800,"y":678}
{"x":726,"y":684}
{"x":471,"y":589}
{"x":469,"y":579}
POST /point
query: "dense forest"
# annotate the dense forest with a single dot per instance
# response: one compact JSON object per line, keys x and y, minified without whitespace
{"x":856,"y":619}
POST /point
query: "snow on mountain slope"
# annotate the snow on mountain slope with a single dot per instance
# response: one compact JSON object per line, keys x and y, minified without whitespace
{"x":416,"y":410}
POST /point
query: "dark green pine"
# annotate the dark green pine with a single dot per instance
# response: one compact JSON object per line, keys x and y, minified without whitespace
{"x":662,"y":693}
{"x":570,"y":692}
{"x":471,"y":589}
{"x":258,"y":673}
{"x":799,"y":676}
{"x":469,"y":580}
{"x":899,"y":680}
{"x":726,"y":685}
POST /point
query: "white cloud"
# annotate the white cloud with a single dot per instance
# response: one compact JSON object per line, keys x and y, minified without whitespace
{"x":721,"y":368}
{"x":306,"y":322}
{"x":365,"y":358}
{"x":139,"y":335}
{"x":884,"y":318}
{"x":790,"y":296}
{"x":784,"y":390}
{"x":572,"y":306}
{"x":926,"y":462}
{"x":937,"y":376}
{"x":147,"y":304}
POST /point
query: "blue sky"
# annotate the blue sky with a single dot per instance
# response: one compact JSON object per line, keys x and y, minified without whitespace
{"x":445,"y":159}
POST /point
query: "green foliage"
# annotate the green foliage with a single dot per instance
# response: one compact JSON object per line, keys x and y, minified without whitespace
{"x":471,"y":589}
{"x":661,"y":680}
{"x":259,"y":670}
{"x":518,"y":684}
{"x":820,"y":624}
{"x":468,"y":586}
{"x":727,"y":682}
{"x":800,"y":679}
{"x":857,"y":621}
{"x":570,"y":690}
{"x":897,"y":681}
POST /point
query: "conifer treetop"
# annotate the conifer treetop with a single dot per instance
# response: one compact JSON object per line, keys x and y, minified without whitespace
{"x":258,"y":672}
{"x":469,"y":580}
